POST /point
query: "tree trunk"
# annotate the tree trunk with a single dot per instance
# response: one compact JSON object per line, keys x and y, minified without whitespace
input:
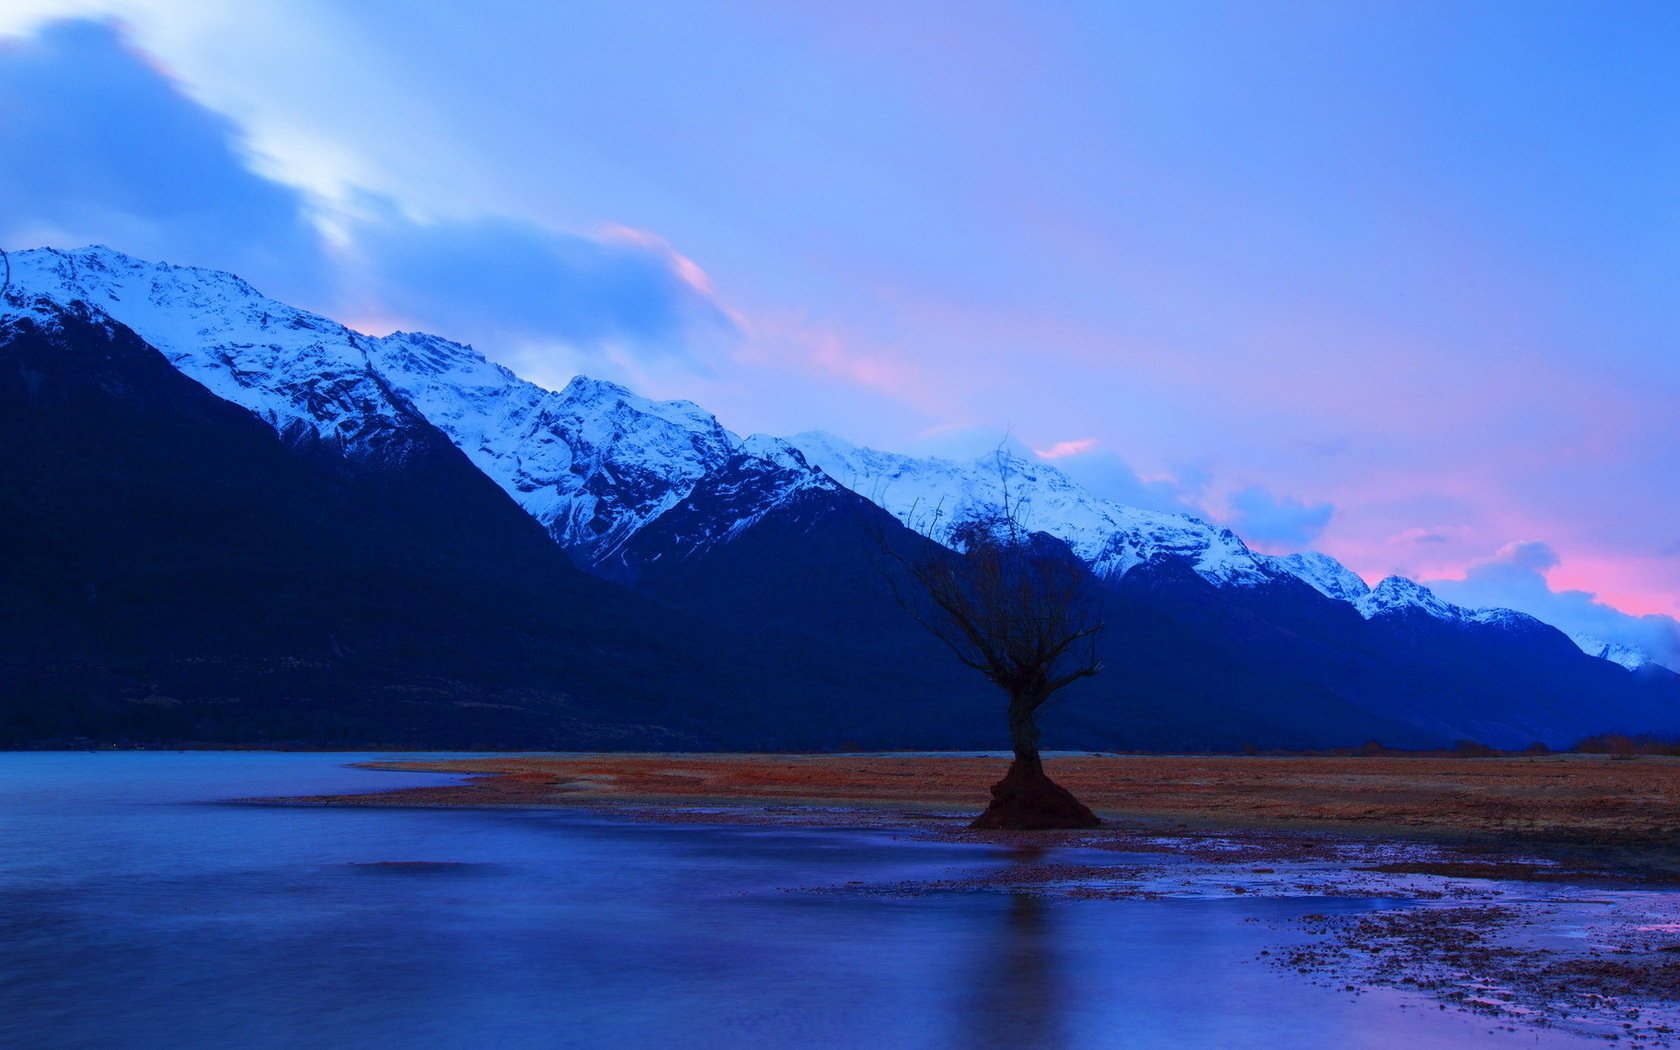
{"x":1023,"y":734}
{"x":1026,"y":799}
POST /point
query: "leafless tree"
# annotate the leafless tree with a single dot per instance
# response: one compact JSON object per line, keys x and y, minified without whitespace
{"x":1021,"y":609}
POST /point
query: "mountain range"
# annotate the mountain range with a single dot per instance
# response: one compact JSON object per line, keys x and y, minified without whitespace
{"x":231,"y":520}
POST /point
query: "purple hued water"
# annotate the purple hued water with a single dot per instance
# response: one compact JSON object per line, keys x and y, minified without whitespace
{"x":137,"y":909}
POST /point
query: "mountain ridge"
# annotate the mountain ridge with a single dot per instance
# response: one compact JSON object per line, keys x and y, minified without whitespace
{"x":597,"y":465}
{"x":593,"y":462}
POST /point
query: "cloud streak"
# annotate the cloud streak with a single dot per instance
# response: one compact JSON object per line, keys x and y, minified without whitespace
{"x":1064,"y":449}
{"x":503,"y":281}
{"x":101,"y":146}
{"x":96,"y":145}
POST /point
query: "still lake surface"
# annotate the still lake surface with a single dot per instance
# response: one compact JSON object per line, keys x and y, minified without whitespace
{"x":139,"y":909}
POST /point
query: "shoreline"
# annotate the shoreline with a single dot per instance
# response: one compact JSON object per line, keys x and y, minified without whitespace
{"x":1604,"y":816}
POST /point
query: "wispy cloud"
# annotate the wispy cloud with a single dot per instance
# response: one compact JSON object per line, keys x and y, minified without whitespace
{"x":1431,"y":534}
{"x":499,"y":280}
{"x":1064,"y":449}
{"x":98,"y":145}
{"x":104,"y":146}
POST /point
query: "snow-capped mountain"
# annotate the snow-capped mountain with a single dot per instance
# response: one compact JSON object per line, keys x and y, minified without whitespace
{"x":593,"y":463}
{"x":597,"y":465}
{"x":1398,"y":594}
{"x":1616,"y":652}
{"x":1327,"y":575}
{"x":934,"y":495}
{"x":308,"y":377}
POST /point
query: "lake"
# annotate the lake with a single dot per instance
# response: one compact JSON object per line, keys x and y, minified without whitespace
{"x":139,"y":908}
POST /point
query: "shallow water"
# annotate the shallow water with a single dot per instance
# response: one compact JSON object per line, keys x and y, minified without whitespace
{"x":138,"y":909}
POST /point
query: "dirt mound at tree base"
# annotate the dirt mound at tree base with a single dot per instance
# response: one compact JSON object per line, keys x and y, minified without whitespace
{"x":1028,"y":800}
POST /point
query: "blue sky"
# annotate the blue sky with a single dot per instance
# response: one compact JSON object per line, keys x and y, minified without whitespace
{"x":1395,"y":281}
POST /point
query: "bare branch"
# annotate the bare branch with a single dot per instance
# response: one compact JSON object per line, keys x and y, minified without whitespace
{"x":1013,"y":604}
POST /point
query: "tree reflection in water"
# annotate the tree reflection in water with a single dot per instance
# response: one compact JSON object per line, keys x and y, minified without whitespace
{"x":1018,"y":991}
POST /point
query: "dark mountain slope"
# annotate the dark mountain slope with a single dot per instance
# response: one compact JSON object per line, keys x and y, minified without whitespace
{"x":172,"y":571}
{"x":1189,"y":665}
{"x":1186,"y":668}
{"x":1283,"y":665}
{"x":805,"y":580}
{"x":1510,"y":683}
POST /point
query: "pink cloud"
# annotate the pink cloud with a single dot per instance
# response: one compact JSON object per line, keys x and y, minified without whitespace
{"x":1063,"y":449}
{"x":687,"y":270}
{"x":788,"y":339}
{"x":1637,"y":585}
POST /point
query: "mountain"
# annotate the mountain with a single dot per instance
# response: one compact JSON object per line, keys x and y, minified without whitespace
{"x":1324,"y":574}
{"x":173,"y":570}
{"x":592,"y":463}
{"x":934,"y":495}
{"x":1615,"y":652}
{"x":731,"y":589}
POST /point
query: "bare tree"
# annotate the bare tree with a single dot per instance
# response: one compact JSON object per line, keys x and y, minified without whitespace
{"x":1021,"y":609}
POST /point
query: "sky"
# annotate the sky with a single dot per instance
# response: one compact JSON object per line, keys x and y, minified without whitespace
{"x":1392,"y":281}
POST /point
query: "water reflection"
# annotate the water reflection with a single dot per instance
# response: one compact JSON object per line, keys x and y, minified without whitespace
{"x":1017,"y":990}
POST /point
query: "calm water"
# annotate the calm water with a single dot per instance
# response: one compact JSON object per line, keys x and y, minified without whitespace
{"x":136,"y":909}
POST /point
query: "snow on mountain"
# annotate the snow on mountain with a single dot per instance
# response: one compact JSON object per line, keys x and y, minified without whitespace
{"x":596,"y":464}
{"x":1615,"y":652}
{"x":765,"y":475}
{"x":593,"y":463}
{"x":1398,"y":594}
{"x":1329,"y":576}
{"x":934,"y":495}
{"x":305,"y":375}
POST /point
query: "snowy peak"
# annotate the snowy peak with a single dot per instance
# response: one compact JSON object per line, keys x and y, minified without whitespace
{"x":97,"y":272}
{"x":601,"y":394}
{"x":1326,"y":575}
{"x":764,"y":476}
{"x":593,"y":463}
{"x":780,"y":452}
{"x":652,"y":433}
{"x":426,"y":358}
{"x":937,"y":495}
{"x":617,"y":461}
{"x":1396,"y":594}
{"x":307,"y":376}
{"x":1616,"y":652}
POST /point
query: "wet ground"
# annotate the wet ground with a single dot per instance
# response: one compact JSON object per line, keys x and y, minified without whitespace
{"x":1538,"y":894}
